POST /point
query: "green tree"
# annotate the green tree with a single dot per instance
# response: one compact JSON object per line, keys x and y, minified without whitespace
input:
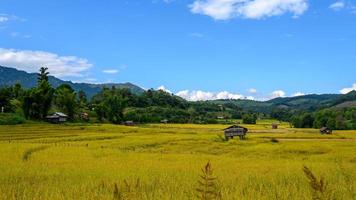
{"x":37,"y":101}
{"x":43,"y":75}
{"x":65,"y":99}
{"x":249,"y":118}
{"x":5,"y":99}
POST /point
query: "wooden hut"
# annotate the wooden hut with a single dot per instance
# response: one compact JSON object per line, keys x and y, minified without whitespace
{"x":274,"y":126}
{"x":164,"y":121}
{"x":129,"y":123}
{"x":325,"y":130}
{"x":84,"y":116}
{"x":235,"y":130}
{"x":57,"y":118}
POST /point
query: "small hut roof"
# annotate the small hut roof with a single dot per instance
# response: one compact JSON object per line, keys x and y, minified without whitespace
{"x":235,"y":126}
{"x":60,"y":114}
{"x":324,"y":129}
{"x":56,"y":115}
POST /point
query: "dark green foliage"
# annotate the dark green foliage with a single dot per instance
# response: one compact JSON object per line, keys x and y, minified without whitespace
{"x":156,"y":114}
{"x":5,"y":98}
{"x":249,"y":119}
{"x":336,"y":118}
{"x":11,"y":119}
{"x":304,"y":120}
{"x":37,"y":101}
{"x":65,"y":99}
{"x":110,"y":104}
{"x":207,"y":185}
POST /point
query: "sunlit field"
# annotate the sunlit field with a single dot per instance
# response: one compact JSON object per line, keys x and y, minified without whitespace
{"x":164,"y":161}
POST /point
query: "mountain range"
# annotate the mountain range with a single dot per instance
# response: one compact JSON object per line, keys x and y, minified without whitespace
{"x":10,"y":76}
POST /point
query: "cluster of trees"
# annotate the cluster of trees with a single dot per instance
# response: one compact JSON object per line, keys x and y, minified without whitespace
{"x":334,"y":118}
{"x":37,"y":102}
{"x":117,"y":105}
{"x":111,"y":104}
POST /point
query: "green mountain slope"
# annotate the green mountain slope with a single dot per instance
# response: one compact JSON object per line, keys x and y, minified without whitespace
{"x":11,"y":76}
{"x":310,"y":102}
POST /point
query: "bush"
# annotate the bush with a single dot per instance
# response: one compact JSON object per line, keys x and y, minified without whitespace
{"x":11,"y":119}
{"x":249,"y":119}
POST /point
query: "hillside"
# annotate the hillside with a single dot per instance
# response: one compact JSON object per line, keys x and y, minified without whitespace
{"x":310,"y":102}
{"x":11,"y":76}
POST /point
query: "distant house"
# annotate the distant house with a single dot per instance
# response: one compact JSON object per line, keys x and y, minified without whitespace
{"x":84,"y":116}
{"x":129,"y":123}
{"x":235,"y":130}
{"x":325,"y":130}
{"x":164,"y":121}
{"x":57,"y":118}
{"x":274,"y":126}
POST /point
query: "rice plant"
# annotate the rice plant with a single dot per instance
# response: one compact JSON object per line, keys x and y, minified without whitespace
{"x":319,"y":186}
{"x":207,"y":185}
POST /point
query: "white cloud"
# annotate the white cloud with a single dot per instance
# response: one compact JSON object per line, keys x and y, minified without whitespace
{"x":252,"y":90}
{"x":337,"y":5}
{"x":6,"y":17}
{"x":110,"y":71}
{"x":198,"y":95}
{"x":31,"y":61}
{"x":298,"y":94}
{"x":163,"y":89}
{"x":3,"y":19}
{"x":347,"y":90}
{"x":252,"y":9}
{"x":20,"y":35}
{"x":228,"y":95}
{"x":277,"y":93}
{"x":196,"y":35}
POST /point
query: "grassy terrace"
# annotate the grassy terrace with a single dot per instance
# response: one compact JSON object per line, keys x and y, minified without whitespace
{"x":156,"y":161}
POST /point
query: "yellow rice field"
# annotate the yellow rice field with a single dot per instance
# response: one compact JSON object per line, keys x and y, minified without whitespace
{"x":164,"y":161}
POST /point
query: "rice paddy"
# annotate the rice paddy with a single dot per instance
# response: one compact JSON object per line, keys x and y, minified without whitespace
{"x":164,"y":161}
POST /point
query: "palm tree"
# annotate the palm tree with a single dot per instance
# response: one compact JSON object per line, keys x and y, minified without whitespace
{"x":43,"y":75}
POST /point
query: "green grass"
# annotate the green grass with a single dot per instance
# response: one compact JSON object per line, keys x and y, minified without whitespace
{"x":164,"y":161}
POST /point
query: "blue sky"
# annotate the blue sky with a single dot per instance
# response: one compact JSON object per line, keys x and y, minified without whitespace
{"x":199,"y":49}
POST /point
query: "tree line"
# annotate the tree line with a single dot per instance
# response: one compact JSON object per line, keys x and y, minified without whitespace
{"x":112,"y":105}
{"x":116,"y":105}
{"x":333,"y":118}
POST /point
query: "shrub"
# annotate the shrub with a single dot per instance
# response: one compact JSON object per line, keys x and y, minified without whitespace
{"x":11,"y":119}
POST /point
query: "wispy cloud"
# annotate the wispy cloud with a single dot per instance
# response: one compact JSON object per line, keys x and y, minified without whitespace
{"x":348,"y":89}
{"x":252,"y":90}
{"x":115,"y":70}
{"x":3,"y":19}
{"x":251,"y":9}
{"x":337,"y":5}
{"x":196,"y":35}
{"x":20,"y":35}
{"x":297,"y":94}
{"x":199,"y":95}
{"x":110,"y":71}
{"x":31,"y":61}
{"x":342,"y":5}
{"x":7,"y":17}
